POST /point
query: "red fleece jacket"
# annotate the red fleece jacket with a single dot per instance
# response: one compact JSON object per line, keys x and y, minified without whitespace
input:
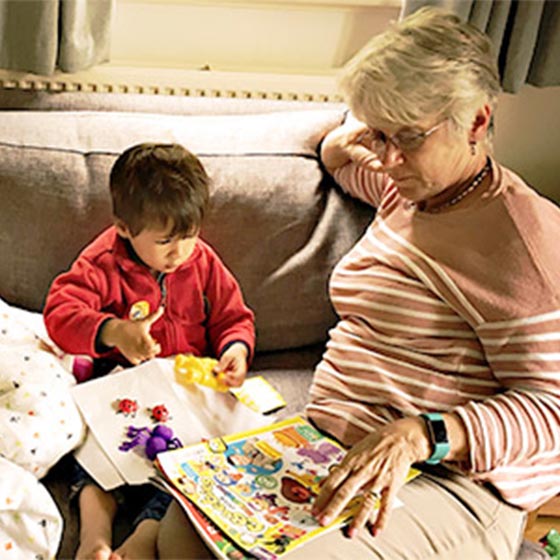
{"x":204,"y":308}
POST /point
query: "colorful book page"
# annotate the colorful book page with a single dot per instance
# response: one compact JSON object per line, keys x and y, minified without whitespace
{"x":258,"y":487}
{"x":222,"y":547}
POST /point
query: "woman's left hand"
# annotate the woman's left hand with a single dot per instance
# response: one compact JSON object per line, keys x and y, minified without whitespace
{"x":375,"y":466}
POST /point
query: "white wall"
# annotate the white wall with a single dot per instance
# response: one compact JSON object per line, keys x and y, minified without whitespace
{"x":305,"y":36}
{"x":528,"y":136}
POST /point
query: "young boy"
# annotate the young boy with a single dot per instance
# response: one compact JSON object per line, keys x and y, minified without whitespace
{"x":148,"y":286}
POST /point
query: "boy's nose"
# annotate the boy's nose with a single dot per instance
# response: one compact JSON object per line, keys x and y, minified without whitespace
{"x":174,"y":250}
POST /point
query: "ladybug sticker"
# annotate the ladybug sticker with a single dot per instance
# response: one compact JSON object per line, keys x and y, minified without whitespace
{"x":159,"y":413}
{"x":128,"y":407}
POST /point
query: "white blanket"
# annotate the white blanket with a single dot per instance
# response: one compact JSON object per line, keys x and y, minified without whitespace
{"x":39,"y":423}
{"x":30,"y":524}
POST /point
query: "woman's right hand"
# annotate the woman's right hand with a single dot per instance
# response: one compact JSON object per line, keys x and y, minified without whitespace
{"x":379,"y":463}
{"x":348,"y":143}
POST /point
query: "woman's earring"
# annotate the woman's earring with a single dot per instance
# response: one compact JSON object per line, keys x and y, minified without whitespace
{"x":472,"y":144}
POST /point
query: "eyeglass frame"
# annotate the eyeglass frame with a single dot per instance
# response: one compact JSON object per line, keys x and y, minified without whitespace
{"x":393,"y":139}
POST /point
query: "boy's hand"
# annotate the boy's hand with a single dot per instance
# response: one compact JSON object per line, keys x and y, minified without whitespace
{"x":133,"y":338}
{"x":233,"y":363}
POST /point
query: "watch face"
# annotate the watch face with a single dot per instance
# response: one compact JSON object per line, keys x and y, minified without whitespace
{"x":438,"y":437}
{"x":439,"y":431}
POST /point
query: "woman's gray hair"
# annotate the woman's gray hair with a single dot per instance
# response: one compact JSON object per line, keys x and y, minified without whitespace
{"x":428,"y":65}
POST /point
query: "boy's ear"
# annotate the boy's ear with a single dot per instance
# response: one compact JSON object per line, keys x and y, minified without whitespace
{"x":122,"y":229}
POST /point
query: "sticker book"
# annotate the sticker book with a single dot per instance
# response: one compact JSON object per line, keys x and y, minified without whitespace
{"x":258,"y":486}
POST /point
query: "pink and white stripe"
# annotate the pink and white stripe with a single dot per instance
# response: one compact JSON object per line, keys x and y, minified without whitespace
{"x":437,"y":315}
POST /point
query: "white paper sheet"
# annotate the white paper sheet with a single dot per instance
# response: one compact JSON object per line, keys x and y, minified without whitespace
{"x":196,"y":413}
{"x":93,"y":459}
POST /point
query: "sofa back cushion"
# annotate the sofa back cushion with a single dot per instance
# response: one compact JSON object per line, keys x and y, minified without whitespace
{"x":276,"y":220}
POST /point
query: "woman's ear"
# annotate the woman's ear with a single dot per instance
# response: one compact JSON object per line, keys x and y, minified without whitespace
{"x":122,"y":228}
{"x":480,"y":124}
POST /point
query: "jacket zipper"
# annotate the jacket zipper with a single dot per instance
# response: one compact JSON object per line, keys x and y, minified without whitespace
{"x":170,"y":327}
{"x":162,"y":288}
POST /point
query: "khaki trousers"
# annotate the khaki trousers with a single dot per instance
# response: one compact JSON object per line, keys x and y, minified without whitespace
{"x":445,"y":516}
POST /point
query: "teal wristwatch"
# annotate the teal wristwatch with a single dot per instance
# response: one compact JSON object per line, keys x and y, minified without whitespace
{"x":438,"y":436}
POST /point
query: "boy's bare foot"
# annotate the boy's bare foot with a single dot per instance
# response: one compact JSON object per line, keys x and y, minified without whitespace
{"x":141,"y":545}
{"x":94,"y":551}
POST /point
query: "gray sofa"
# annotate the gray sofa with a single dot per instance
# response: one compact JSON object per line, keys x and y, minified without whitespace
{"x":276,"y":219}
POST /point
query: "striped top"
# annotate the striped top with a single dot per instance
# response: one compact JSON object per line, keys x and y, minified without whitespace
{"x":452,"y":311}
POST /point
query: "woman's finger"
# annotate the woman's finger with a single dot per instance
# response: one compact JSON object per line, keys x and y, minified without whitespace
{"x":363,"y":156}
{"x":369,"y":505}
{"x":385,"y":508}
{"x":328,"y":487}
{"x":336,"y":499}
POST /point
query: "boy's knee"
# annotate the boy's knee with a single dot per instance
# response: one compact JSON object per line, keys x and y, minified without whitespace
{"x":177,"y":537}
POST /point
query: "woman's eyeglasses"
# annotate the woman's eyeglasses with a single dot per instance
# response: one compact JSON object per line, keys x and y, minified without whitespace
{"x":404,"y":140}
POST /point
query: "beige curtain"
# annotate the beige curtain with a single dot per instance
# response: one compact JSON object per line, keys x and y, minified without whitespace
{"x":525,"y":33}
{"x":41,"y":36}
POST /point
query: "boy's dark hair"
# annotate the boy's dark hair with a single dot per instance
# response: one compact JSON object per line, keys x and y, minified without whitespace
{"x":159,"y":184}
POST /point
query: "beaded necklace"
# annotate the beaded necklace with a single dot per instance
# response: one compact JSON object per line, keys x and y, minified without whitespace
{"x":466,"y":191}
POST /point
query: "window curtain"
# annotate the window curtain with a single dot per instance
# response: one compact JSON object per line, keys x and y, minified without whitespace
{"x":525,"y":33}
{"x":41,"y":36}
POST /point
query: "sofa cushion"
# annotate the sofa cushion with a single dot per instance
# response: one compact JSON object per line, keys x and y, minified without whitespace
{"x":275,"y":219}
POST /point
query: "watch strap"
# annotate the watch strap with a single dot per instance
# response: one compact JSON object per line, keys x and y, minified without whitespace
{"x":438,"y":436}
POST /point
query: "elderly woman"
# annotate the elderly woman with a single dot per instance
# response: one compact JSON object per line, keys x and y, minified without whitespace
{"x":447,"y":351}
